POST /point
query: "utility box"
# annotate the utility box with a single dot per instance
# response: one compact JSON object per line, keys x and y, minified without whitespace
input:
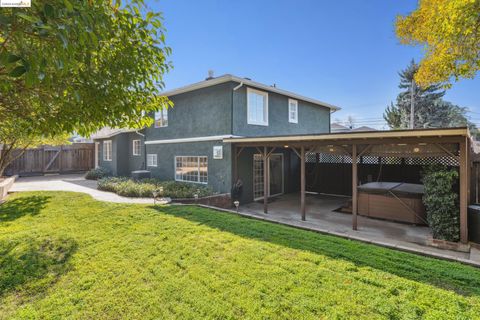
{"x":141,"y":174}
{"x":474,"y":223}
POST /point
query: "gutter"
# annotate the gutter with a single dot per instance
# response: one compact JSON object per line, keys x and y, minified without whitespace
{"x":238,"y":87}
{"x":144,"y":149}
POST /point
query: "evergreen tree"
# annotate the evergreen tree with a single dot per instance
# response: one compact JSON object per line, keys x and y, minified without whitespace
{"x":398,"y":115}
{"x":431,"y":111}
{"x":393,"y":116}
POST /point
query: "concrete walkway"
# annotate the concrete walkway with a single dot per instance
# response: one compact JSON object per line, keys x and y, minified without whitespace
{"x":71,"y":182}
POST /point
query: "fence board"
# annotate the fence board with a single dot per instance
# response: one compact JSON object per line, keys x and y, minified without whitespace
{"x":47,"y":159}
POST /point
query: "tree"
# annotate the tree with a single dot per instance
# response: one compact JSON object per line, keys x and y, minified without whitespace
{"x":16,"y":139}
{"x":350,"y":122}
{"x":393,"y":116}
{"x":398,"y":115}
{"x":78,"y":66}
{"x":450,"y":33}
{"x":431,"y":111}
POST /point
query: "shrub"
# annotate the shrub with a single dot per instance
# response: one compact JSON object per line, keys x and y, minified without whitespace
{"x":145,"y":187}
{"x":109,"y":184}
{"x":97,"y":173}
{"x":441,"y":203}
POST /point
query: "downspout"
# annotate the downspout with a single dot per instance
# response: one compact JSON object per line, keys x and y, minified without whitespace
{"x":144,"y":149}
{"x":234,"y":89}
{"x":231,"y":126}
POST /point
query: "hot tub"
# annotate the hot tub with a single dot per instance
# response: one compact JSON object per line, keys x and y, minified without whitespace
{"x":395,"y":201}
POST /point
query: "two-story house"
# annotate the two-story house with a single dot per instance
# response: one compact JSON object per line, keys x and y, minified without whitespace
{"x":186,"y":142}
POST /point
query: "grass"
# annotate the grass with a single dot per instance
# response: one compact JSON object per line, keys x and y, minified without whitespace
{"x":65,"y":255}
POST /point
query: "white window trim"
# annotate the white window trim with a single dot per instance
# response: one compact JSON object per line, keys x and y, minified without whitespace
{"x":198,"y":169}
{"x":155,"y":118}
{"x":139,"y":147}
{"x":265,"y":94}
{"x":156,"y":160}
{"x":296,"y":110}
{"x":105,"y":143}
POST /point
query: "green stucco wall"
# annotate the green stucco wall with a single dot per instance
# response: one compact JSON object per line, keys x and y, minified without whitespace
{"x":123,"y":161}
{"x":199,"y":113}
{"x":215,"y":111}
{"x":109,"y":165}
{"x":219,"y":170}
{"x":311,"y":118}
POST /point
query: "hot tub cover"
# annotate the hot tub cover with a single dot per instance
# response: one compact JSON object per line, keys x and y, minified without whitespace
{"x":395,"y":187}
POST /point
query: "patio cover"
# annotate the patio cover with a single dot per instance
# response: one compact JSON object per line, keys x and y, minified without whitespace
{"x":423,"y":143}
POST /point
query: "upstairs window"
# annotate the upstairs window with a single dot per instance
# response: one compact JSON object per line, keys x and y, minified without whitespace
{"x":257,"y":107}
{"x":107,"y":150}
{"x":292,"y":111}
{"x":136,"y":148}
{"x":161,"y":118}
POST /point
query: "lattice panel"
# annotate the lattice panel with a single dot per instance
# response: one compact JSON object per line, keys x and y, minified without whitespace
{"x":310,"y":157}
{"x":336,"y":158}
{"x":391,"y":160}
{"x":370,"y":160}
{"x":445,"y":161}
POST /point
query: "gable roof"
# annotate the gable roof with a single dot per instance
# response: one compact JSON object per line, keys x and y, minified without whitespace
{"x":337,"y":127}
{"x":108,"y":132}
{"x":247,"y":82}
{"x":364,"y":128}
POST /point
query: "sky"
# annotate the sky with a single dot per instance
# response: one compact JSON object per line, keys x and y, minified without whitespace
{"x":341,"y":52}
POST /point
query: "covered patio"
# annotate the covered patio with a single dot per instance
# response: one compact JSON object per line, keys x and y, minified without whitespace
{"x":323,"y":217}
{"x":444,"y":146}
{"x":322,"y":210}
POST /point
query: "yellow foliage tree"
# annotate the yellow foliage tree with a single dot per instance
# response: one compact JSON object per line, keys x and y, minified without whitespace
{"x":449,"y":30}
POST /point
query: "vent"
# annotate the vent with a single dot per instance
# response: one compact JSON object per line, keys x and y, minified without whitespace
{"x":210,"y":75}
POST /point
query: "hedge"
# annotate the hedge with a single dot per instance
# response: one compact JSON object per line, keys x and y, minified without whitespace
{"x":145,"y":187}
{"x":441,"y":202}
{"x":97,"y":173}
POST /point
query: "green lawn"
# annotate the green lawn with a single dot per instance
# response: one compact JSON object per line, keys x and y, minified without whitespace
{"x":65,"y":255}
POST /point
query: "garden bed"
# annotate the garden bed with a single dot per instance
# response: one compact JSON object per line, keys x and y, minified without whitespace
{"x":145,"y":188}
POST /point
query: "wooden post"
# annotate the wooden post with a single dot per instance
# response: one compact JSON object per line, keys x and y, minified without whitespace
{"x":266,"y":178}
{"x":302,"y":182}
{"x":354,"y":187}
{"x":463,"y":190}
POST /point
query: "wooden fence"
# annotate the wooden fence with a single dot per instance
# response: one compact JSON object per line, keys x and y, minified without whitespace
{"x":48,"y":159}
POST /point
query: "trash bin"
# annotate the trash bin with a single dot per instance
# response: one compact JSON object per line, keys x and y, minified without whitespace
{"x":140,"y":174}
{"x":474,"y":223}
